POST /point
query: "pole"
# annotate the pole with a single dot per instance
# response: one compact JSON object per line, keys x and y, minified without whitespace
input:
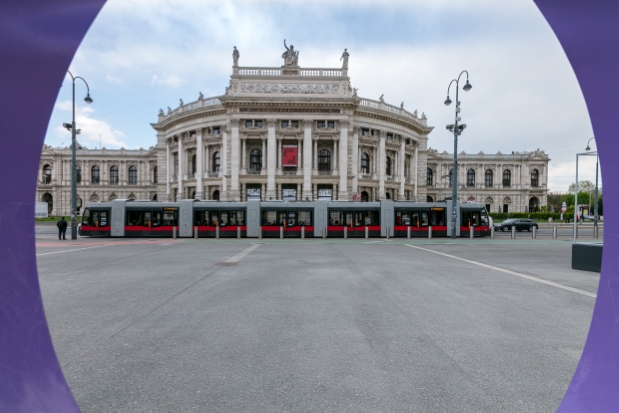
{"x":454,"y":178}
{"x":575,"y":200}
{"x":73,"y":174}
{"x":595,"y":202}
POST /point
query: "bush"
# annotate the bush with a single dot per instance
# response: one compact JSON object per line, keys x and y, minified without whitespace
{"x":501,"y":216}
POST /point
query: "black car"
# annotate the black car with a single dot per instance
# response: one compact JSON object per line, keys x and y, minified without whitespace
{"x":521,"y":224}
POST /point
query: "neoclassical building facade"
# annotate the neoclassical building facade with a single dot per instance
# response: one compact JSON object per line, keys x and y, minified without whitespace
{"x":291,"y":134}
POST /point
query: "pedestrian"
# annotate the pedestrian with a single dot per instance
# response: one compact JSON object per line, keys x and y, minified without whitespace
{"x":62,"y":228}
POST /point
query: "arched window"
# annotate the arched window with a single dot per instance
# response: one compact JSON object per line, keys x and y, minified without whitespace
{"x":47,"y":174}
{"x":216,"y":163}
{"x":489,"y":178}
{"x":94,"y":198}
{"x":429,"y":199}
{"x":155,"y":175}
{"x":133,"y":175}
{"x":470,"y":177}
{"x":193,"y":165}
{"x":255,"y":160}
{"x":47,"y":197}
{"x":78,"y":173}
{"x":451,"y":177}
{"x":94,"y":174}
{"x":534,"y":177}
{"x":155,"y":197}
{"x":324,"y":160}
{"x":365,"y":197}
{"x":507,"y":178}
{"x":193,"y":195}
{"x":430,"y":177}
{"x":113,"y":174}
{"x":388,"y":166}
{"x":113,"y":197}
{"x":388,"y":195}
{"x":365,"y":163}
{"x":216,"y":195}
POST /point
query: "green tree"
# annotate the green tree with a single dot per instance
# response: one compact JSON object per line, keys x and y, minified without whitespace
{"x":583,"y":198}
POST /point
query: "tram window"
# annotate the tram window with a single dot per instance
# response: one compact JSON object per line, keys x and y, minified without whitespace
{"x":305,"y":218}
{"x":424,"y":219}
{"x":370,"y":217}
{"x":169,"y":218}
{"x":358,"y":218}
{"x":148,"y":218}
{"x":335,"y":217}
{"x":269,"y":218}
{"x":103,"y":222}
{"x":484,"y":219}
{"x":86,"y":217}
{"x":403,"y":218}
{"x":214,"y":218}
{"x":438,"y":218}
{"x":240,"y":217}
{"x":134,"y":218}
{"x":224,"y":218}
{"x":156,"y":218}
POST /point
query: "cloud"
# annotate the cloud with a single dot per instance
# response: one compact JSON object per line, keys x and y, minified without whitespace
{"x":113,"y":79}
{"x":93,"y":131}
{"x":168,"y":80}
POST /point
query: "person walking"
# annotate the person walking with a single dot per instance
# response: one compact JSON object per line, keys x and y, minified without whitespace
{"x":62,"y":228}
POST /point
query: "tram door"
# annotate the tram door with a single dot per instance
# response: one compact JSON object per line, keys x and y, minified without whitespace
{"x":348,"y":218}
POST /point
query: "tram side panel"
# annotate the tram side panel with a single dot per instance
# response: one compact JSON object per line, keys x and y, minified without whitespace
{"x":320,"y":217}
{"x":386,"y":217}
{"x":253,"y":219}
{"x":118,"y":217}
{"x":185,"y":219}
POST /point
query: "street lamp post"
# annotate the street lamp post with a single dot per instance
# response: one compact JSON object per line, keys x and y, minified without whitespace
{"x":73,"y":130}
{"x":595,"y":202}
{"x":576,"y":187}
{"x":457,"y":130}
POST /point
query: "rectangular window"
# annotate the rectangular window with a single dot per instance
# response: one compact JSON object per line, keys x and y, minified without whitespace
{"x":216,"y":131}
{"x":424,"y":219}
{"x":134,"y":218}
{"x":390,"y":136}
{"x":335,"y":218}
{"x":505,"y":208}
{"x":248,"y":123}
{"x":331,"y":124}
{"x":295,"y":123}
{"x":284,"y":124}
{"x":320,"y":124}
{"x":365,"y":132}
{"x":258,"y":123}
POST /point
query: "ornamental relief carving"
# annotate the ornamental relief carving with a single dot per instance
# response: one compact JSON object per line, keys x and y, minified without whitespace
{"x":300,"y":88}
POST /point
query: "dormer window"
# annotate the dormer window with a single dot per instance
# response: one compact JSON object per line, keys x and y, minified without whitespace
{"x":390,"y":136}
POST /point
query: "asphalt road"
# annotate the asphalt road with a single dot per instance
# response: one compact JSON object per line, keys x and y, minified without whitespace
{"x":313,"y":325}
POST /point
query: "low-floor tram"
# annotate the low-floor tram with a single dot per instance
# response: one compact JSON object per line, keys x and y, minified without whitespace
{"x":275,"y":219}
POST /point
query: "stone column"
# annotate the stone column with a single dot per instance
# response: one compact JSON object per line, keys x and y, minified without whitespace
{"x":179,"y":193}
{"x":402,"y":159}
{"x":234,"y":160}
{"x":279,"y":155}
{"x":343,"y":153}
{"x":334,"y":157}
{"x":382,"y":154}
{"x":244,"y":152}
{"x":271,"y":148}
{"x":307,"y":159}
{"x":199,"y":167}
{"x":416,"y":174}
{"x":356,"y":160}
{"x":167,"y":170}
{"x":315,"y":154}
{"x":264,"y":157}
{"x":223,"y":156}
{"x":207,"y":158}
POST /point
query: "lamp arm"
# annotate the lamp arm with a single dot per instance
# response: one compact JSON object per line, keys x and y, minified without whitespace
{"x":83,"y":80}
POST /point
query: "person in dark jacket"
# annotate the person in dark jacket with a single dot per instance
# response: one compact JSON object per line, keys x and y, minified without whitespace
{"x":62,"y":228}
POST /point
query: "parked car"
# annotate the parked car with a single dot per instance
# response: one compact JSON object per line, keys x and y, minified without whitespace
{"x":521,"y":224}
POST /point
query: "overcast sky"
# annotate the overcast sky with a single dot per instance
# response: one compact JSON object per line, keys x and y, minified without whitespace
{"x":142,"y":55}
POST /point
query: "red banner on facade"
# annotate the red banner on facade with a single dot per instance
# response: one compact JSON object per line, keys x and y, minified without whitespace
{"x":289,"y":155}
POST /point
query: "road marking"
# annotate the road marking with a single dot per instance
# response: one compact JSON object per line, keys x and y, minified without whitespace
{"x":75,"y":249}
{"x":238,"y":257}
{"x":517,"y":274}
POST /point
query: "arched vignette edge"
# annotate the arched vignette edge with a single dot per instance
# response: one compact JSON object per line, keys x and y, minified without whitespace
{"x":38,"y":39}
{"x":589,"y":35}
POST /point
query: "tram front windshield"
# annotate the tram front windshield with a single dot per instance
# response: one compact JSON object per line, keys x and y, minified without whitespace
{"x":475,"y":218}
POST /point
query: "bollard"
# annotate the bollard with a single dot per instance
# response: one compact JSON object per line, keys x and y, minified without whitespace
{"x":513,"y":232}
{"x":575,"y":231}
{"x":471,"y":232}
{"x":174,"y":232}
{"x":534,"y":233}
{"x":217,"y":232}
{"x":429,"y":232}
{"x":345,"y":232}
{"x":387,"y":232}
{"x":260,"y":233}
{"x":408,"y":232}
{"x":195,"y":232}
{"x":554,"y":232}
{"x":302,"y":232}
{"x":281,"y":232}
{"x":492,"y":232}
{"x":324,"y":233}
{"x":595,"y":232}
{"x":238,"y":232}
{"x":367,"y":232}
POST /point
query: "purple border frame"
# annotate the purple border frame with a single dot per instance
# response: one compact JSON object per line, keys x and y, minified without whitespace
{"x":38,"y":39}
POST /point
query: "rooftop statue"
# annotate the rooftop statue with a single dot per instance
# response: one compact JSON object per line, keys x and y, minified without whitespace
{"x":345,"y":58}
{"x":235,"y":57}
{"x":291,"y":58}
